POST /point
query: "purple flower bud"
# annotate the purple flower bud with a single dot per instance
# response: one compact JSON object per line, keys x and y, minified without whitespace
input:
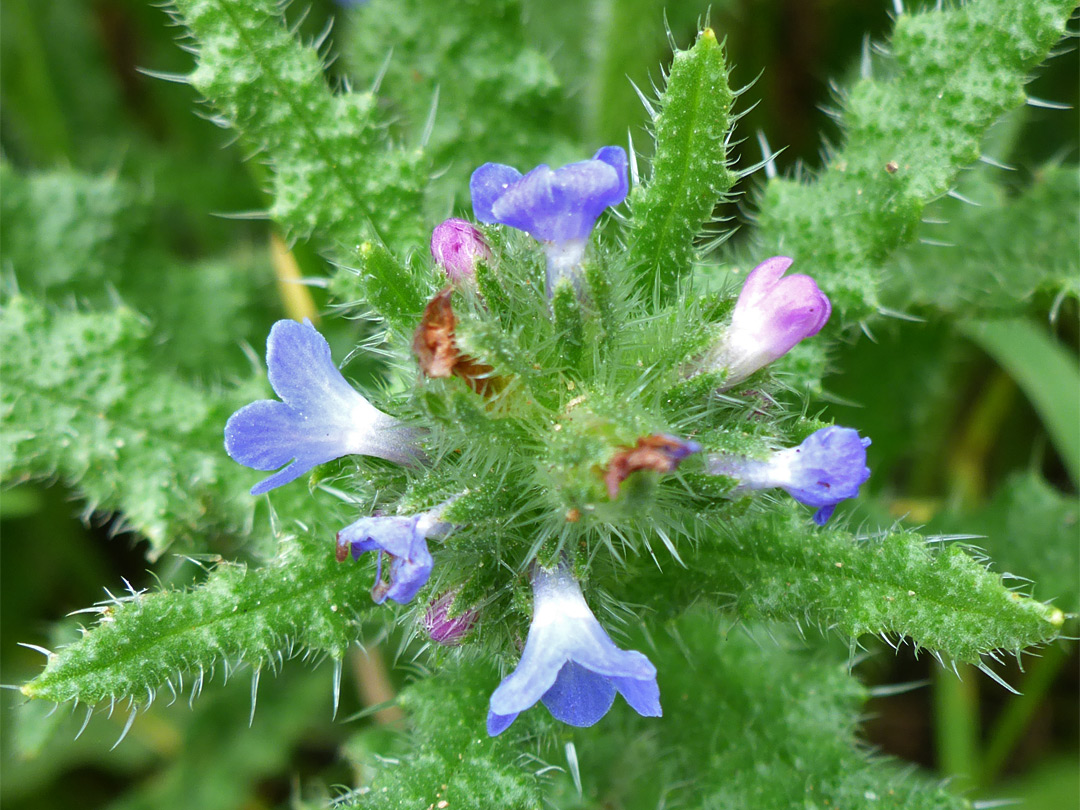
{"x":441,"y":627}
{"x":404,"y":539}
{"x":456,"y":247}
{"x":557,"y":207}
{"x":570,"y":663}
{"x":320,"y":418}
{"x":827,"y":468}
{"x":772,"y":314}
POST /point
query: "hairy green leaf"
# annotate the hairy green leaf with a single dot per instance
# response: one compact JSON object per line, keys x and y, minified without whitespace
{"x":1030,"y":531}
{"x":951,"y":74}
{"x":774,"y":726}
{"x":83,"y":400}
{"x":895,"y":584}
{"x":448,"y":760}
{"x":502,"y":101}
{"x":334,"y":175}
{"x":689,"y":171}
{"x":304,"y":602}
{"x":998,"y":256}
{"x":68,"y":230}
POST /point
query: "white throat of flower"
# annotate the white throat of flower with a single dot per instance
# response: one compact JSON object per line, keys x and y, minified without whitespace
{"x":742,"y":350}
{"x":563,"y":261}
{"x":557,"y":598}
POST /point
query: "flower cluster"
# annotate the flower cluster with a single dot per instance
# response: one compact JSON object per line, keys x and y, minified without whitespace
{"x":569,"y":663}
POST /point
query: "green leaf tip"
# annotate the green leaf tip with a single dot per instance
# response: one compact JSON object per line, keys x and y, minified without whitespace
{"x":304,"y":602}
{"x":897,"y":584}
{"x":690,"y":172}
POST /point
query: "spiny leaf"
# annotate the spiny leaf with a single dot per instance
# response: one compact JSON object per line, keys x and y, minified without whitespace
{"x":501,"y":102}
{"x":83,"y":400}
{"x":897,"y":584}
{"x":953,"y":73}
{"x":1029,"y":529}
{"x":996,"y":257}
{"x":334,"y":176}
{"x":449,"y":761}
{"x":68,"y":231}
{"x":75,"y":235}
{"x":774,"y":723}
{"x":689,"y":172}
{"x":304,"y":602}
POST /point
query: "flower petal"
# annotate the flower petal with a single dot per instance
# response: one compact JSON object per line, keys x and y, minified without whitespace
{"x":488,"y":184}
{"x":267,"y":434}
{"x":589,"y":644}
{"x":535,"y":673}
{"x":303,"y":373}
{"x":642,"y":694}
{"x":396,"y":535}
{"x":498,"y":723}
{"x":579,"y":697}
{"x":615,"y":157}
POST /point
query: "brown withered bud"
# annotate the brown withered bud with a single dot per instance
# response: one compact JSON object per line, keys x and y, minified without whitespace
{"x":437,"y":351}
{"x":658,"y":452}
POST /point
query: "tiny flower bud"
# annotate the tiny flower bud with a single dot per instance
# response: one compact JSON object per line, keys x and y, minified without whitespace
{"x":773,"y":313}
{"x":456,"y":247}
{"x":441,"y":628}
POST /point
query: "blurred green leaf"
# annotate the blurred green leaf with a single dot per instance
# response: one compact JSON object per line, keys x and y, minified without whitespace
{"x":1046,"y":372}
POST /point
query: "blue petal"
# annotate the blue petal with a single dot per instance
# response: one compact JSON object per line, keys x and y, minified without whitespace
{"x":822,"y":515}
{"x":498,"y":723}
{"x":557,"y":206}
{"x":303,"y":373}
{"x":588,"y":644}
{"x":643,"y":695}
{"x":396,"y":535}
{"x":579,"y":697}
{"x":408,"y":574}
{"x":266,"y":434}
{"x":830,"y":467}
{"x":535,"y":673}
{"x":391,"y":533}
{"x":263,"y":435}
{"x":319,"y":419}
{"x":488,"y":184}
{"x":615,"y":157}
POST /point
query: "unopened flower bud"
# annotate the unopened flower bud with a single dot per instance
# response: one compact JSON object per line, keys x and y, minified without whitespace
{"x":441,"y":627}
{"x":456,"y":247}
{"x":773,"y":313}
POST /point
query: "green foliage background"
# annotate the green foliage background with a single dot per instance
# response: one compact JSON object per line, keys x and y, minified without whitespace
{"x":165,"y":172}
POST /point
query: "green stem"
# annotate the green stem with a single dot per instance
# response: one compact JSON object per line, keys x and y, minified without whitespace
{"x":1017,"y":715}
{"x":956,"y":717}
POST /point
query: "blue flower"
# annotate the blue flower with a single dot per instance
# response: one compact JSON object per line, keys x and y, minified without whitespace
{"x":404,"y":539}
{"x":570,"y":663}
{"x":828,"y":467}
{"x":557,"y":207}
{"x":320,"y":418}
